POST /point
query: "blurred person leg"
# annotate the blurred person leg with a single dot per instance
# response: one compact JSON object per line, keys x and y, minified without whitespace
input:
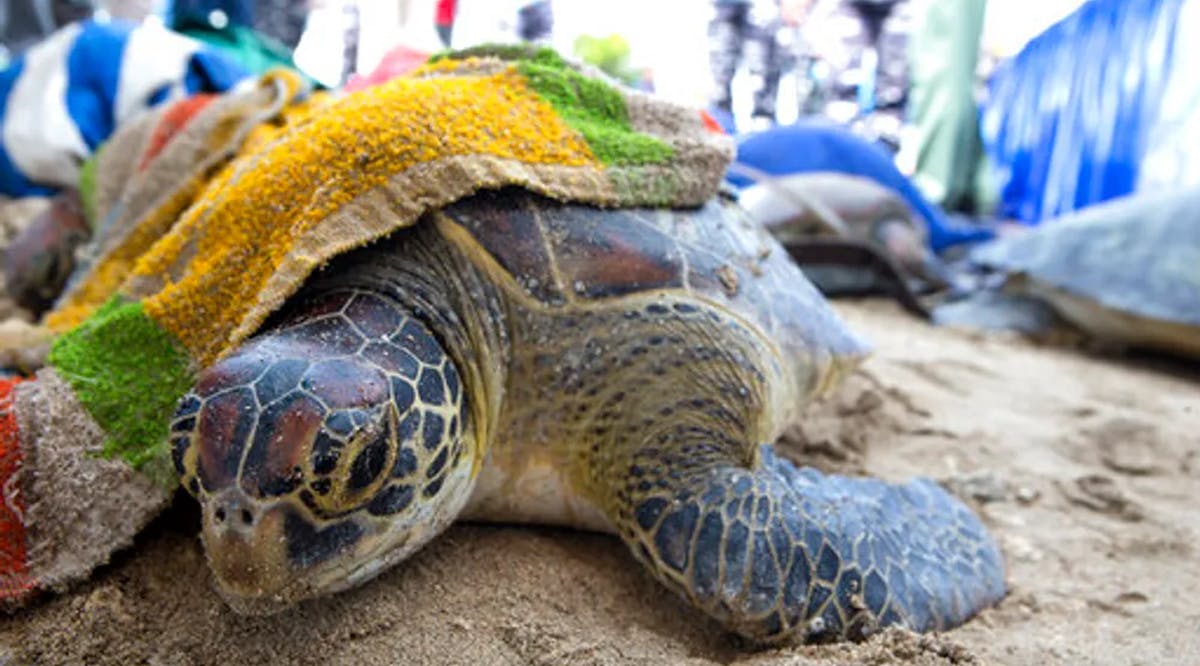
{"x":764,"y":60}
{"x":352,"y":31}
{"x":726,"y":39}
{"x":891,"y":86}
{"x":443,"y":20}
{"x":944,"y":53}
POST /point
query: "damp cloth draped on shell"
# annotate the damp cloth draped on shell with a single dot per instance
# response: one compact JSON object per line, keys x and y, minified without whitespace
{"x":180,"y":275}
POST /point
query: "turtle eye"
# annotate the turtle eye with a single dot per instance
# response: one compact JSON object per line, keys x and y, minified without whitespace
{"x":382,"y":460}
{"x":350,"y":458}
{"x":430,"y":447}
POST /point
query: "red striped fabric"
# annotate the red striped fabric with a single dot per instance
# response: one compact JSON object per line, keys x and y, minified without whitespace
{"x":15,"y":579}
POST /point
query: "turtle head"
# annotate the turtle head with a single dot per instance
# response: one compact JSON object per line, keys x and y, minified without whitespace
{"x":907,"y":246}
{"x":320,"y":461}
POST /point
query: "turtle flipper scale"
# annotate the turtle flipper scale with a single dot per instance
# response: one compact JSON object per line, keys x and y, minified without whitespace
{"x":780,"y":552}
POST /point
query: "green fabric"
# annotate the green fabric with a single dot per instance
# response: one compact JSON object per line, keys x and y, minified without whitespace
{"x":87,"y":187}
{"x":944,"y":53}
{"x":597,"y":111}
{"x":590,"y":106}
{"x":130,"y":375}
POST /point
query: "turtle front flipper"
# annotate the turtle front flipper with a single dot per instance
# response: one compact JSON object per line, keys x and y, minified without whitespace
{"x":775,"y":552}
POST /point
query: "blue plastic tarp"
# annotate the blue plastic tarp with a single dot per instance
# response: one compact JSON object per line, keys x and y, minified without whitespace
{"x":1068,"y":119}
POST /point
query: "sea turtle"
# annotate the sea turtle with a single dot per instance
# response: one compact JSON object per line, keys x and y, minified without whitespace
{"x":370,"y":323}
{"x":512,"y":358}
{"x":850,"y":234}
{"x":1123,"y":273}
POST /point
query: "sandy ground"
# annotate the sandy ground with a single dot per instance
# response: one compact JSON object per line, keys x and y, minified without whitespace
{"x":1088,"y":470}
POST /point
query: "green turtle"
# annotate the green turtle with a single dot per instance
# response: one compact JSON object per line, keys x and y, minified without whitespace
{"x":513,"y":358}
{"x":827,"y":203}
{"x":850,"y":234}
{"x":1122,"y":273}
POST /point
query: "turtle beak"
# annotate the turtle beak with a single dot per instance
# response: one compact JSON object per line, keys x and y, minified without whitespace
{"x":247,"y":551}
{"x":267,"y":555}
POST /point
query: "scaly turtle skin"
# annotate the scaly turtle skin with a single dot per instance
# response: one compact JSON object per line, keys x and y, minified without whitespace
{"x":514,"y":359}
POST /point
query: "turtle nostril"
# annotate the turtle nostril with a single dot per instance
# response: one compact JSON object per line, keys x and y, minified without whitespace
{"x":236,"y":513}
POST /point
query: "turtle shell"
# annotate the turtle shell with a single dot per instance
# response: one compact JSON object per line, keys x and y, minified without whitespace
{"x":1124,"y":271}
{"x":1136,"y":255}
{"x":575,"y":256}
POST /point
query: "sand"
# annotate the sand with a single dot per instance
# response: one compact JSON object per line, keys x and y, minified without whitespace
{"x":1087,"y":468}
